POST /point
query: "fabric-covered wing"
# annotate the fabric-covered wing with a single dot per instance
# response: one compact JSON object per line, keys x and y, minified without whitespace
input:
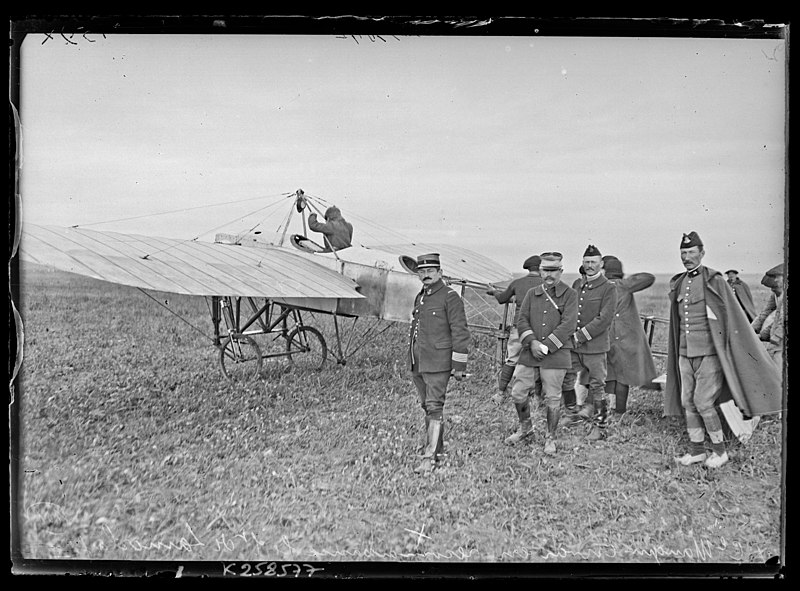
{"x":457,"y":263}
{"x":183,"y":267}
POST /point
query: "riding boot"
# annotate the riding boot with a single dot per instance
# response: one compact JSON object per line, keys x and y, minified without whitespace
{"x":429,"y":457}
{"x":599,"y":422}
{"x":610,"y":389}
{"x":570,"y":400}
{"x":525,"y":428}
{"x":421,"y":448}
{"x":553,"y":416}
{"x":621,"y":397}
{"x":588,"y":409}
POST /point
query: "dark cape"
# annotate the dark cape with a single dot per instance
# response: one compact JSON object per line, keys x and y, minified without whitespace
{"x":630,"y":360}
{"x":745,"y":298}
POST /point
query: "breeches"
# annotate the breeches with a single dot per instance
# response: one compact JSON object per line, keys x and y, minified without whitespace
{"x":431,"y":387}
{"x":701,"y":385}
{"x":524,"y":381}
{"x":593,"y":366}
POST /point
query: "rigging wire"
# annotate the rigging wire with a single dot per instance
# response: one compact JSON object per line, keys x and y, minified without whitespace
{"x":241,"y":234}
{"x":383,"y":231}
{"x":220,"y":226}
{"x":185,"y":209}
{"x":480,"y":312}
{"x":168,"y":309}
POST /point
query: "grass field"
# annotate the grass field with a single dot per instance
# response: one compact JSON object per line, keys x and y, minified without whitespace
{"x":135,"y":447}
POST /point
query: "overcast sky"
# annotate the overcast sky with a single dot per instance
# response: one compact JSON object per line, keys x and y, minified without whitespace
{"x":509,"y":146}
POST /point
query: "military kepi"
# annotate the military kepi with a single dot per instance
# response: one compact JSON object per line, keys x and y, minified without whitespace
{"x":691,"y":239}
{"x":592,"y":251}
{"x":551,"y":261}
{"x":425,"y":261}
{"x":532,"y":263}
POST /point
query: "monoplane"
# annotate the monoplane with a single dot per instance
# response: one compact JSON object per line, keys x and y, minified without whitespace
{"x":259,"y":284}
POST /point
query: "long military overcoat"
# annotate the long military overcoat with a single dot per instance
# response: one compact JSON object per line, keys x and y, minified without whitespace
{"x":630,"y":360}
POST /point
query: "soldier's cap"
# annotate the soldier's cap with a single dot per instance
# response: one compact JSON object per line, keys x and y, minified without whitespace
{"x":550,"y":261}
{"x":732,"y":271}
{"x":591,"y":251}
{"x":426,"y":261}
{"x":770,"y":278}
{"x":532,"y":263}
{"x":691,"y":239}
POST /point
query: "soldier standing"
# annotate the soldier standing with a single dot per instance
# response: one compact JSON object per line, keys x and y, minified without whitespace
{"x":714,"y":356}
{"x":438,"y":347}
{"x":742,"y":292}
{"x":630,"y":360}
{"x":515,"y":292}
{"x":546,"y":323}
{"x":597,"y":301}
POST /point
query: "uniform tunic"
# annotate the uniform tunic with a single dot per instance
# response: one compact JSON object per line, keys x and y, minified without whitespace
{"x":439,"y":338}
{"x":551,"y":321}
{"x":597,"y":302}
{"x":695,"y":333}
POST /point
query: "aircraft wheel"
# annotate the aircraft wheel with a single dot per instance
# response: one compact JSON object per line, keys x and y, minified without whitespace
{"x":307,"y":348}
{"x":240,"y":358}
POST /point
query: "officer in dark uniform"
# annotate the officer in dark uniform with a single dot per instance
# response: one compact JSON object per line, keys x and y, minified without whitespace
{"x":597,"y":302}
{"x":438,"y":346}
{"x":547,"y":320}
